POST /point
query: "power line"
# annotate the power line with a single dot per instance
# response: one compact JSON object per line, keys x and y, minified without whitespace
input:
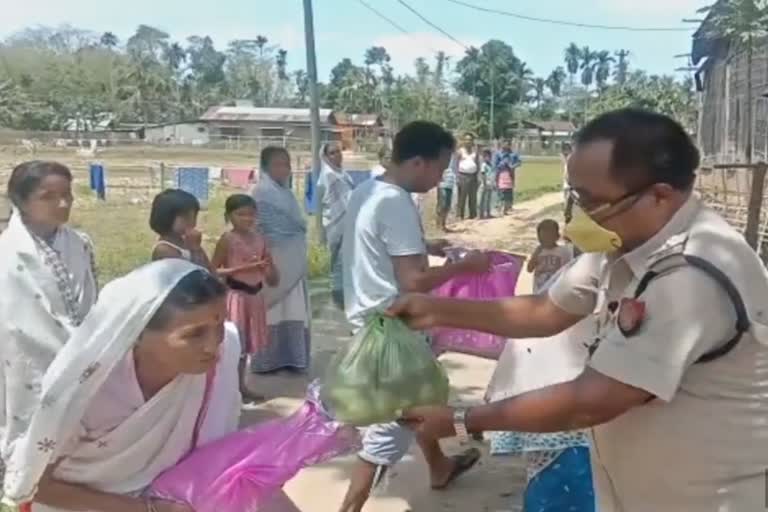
{"x":380,"y":15}
{"x":568,"y":23}
{"x":388,"y":20}
{"x":425,"y":20}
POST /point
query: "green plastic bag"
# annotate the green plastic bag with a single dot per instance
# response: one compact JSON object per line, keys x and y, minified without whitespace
{"x":387,"y":368}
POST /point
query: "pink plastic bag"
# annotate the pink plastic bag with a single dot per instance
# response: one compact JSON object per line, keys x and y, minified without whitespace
{"x":498,"y":283}
{"x":242,"y":471}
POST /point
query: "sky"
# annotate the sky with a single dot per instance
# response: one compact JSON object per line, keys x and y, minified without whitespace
{"x":345,"y":28}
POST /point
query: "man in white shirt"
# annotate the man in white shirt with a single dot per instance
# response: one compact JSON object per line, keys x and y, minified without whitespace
{"x":467,"y":177}
{"x":385,"y":254}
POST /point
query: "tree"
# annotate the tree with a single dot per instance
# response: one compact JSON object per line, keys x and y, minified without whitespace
{"x":588,"y":58}
{"x":148,"y":42}
{"x":261,"y":42}
{"x":282,"y":64}
{"x":658,"y":93}
{"x":301,"y":81}
{"x":572,"y":57}
{"x":603,"y":62}
{"x":175,"y":55}
{"x":497,"y":78}
{"x":108,"y":40}
{"x":539,"y":90}
{"x":206,"y":63}
{"x":622,"y":66}
{"x":555,"y":81}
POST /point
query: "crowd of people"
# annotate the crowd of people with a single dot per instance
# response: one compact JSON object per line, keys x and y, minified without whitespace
{"x":484,"y":180}
{"x":104,"y":390}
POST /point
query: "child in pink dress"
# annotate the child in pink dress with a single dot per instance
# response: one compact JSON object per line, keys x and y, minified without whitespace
{"x":243,"y":259}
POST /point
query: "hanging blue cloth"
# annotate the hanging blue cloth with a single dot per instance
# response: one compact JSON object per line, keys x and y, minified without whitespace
{"x":310,"y":198}
{"x":195,"y":181}
{"x":98,"y":180}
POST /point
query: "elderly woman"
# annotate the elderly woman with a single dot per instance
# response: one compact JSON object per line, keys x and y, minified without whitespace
{"x":48,"y":285}
{"x":283,"y":224}
{"x":150,"y":375}
{"x":334,"y":187}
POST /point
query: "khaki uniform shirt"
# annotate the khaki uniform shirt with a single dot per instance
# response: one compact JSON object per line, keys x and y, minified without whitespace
{"x":702,"y":445}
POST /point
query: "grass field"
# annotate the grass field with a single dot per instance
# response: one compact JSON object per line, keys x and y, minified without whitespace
{"x":119,"y":226}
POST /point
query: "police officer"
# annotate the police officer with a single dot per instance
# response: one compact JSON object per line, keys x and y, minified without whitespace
{"x":676,"y":388}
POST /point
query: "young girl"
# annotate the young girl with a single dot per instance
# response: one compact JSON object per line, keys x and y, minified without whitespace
{"x":243,"y":259}
{"x":174,"y":218}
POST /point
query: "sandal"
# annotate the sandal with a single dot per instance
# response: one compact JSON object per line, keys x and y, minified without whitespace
{"x":463,"y":463}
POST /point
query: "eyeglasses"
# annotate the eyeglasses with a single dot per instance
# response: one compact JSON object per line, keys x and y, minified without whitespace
{"x":598,"y":209}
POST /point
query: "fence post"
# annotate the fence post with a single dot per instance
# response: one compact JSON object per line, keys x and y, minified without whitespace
{"x":752,"y":231}
{"x":162,"y":176}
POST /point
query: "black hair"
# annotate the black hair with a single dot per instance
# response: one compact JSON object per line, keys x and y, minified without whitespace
{"x":196,"y":289}
{"x":169,"y":205}
{"x":27,"y":176}
{"x":421,"y":139}
{"x":237,"y":201}
{"x":330,"y":144}
{"x":270,"y":152}
{"x":548,"y":224}
{"x":645,"y":142}
{"x":487,"y":151}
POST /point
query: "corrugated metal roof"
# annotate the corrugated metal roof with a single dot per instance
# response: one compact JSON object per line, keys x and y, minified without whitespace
{"x":356,"y":119}
{"x":279,"y":115}
{"x":553,"y":126}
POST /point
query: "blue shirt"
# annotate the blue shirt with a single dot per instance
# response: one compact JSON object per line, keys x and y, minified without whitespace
{"x":506,"y":160}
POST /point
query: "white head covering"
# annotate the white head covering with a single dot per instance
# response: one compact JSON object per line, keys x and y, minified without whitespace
{"x":107,"y":334}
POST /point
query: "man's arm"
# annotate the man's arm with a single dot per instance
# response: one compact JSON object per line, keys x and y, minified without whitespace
{"x":414,"y":275}
{"x":571,"y":298}
{"x":589,"y":400}
{"x":625,"y":370}
{"x":525,"y":316}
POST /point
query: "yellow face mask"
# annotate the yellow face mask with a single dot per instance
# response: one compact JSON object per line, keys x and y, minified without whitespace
{"x":589,"y":236}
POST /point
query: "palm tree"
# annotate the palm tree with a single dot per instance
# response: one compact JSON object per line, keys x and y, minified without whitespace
{"x":555,"y":81}
{"x":588,"y":58}
{"x":281,"y":62}
{"x":539,"y":88}
{"x":572,"y":56}
{"x":261,"y":42}
{"x":524,"y":76}
{"x":603,"y":62}
{"x":622,"y":66}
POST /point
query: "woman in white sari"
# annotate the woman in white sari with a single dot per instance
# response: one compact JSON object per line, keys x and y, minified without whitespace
{"x":149,"y":375}
{"x":48,"y":283}
{"x":334,"y":186}
{"x":283,"y":224}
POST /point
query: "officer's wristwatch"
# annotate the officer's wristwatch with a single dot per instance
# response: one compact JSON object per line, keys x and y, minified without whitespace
{"x":460,"y":424}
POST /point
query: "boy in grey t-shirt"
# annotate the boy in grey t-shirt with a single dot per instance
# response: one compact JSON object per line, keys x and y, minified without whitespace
{"x":385,"y":254}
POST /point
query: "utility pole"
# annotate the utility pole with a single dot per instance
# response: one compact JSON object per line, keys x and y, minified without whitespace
{"x":493,"y":101}
{"x":314,"y":95}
